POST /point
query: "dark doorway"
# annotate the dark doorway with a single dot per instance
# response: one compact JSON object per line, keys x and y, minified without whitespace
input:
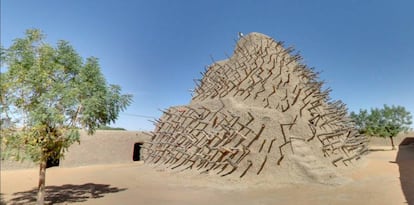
{"x":137,"y":152}
{"x":52,"y":162}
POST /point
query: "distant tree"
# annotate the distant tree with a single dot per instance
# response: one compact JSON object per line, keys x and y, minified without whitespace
{"x":106,"y":127}
{"x":50,"y":93}
{"x":385,"y":122}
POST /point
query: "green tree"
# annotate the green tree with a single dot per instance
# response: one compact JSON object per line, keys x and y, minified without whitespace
{"x":106,"y":127}
{"x":385,"y":122}
{"x":50,"y":93}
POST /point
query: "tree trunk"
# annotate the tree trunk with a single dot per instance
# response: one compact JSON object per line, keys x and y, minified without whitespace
{"x":392,"y":143}
{"x":42,"y":181}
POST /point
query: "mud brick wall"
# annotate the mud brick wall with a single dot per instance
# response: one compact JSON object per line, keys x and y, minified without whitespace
{"x":104,"y":147}
{"x":260,"y":112}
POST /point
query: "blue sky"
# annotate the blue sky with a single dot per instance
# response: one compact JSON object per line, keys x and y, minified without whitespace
{"x":154,"y":49}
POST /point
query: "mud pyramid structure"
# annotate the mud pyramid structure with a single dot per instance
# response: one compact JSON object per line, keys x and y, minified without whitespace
{"x":259,"y":113}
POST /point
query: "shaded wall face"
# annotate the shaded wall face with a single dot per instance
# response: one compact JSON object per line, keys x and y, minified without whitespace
{"x":405,"y":161}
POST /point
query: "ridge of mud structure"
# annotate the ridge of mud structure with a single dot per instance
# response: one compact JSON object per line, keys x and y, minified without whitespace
{"x":259,"y":114}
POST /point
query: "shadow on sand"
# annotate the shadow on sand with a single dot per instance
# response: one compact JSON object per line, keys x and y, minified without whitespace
{"x":67,"y":193}
{"x":405,"y":161}
{"x":2,"y":202}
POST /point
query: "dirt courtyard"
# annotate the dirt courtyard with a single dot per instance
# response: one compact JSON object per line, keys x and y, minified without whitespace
{"x":386,"y":177}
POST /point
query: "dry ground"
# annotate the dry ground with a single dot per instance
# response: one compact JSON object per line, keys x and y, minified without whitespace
{"x":377,"y":181}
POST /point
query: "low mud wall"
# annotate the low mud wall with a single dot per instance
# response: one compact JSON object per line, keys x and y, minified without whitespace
{"x":385,"y":141}
{"x":104,"y":147}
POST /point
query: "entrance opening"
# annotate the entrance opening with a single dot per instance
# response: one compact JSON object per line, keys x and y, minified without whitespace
{"x":137,"y":152}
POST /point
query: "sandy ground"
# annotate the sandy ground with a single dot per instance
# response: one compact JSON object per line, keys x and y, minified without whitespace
{"x":386,"y":177}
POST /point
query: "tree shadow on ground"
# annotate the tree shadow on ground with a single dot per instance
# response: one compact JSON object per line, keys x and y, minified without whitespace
{"x":67,"y":193}
{"x":405,"y":161}
{"x":2,"y":202}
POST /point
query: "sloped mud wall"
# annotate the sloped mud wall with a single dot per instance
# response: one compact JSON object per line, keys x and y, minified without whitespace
{"x":261,"y":112}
